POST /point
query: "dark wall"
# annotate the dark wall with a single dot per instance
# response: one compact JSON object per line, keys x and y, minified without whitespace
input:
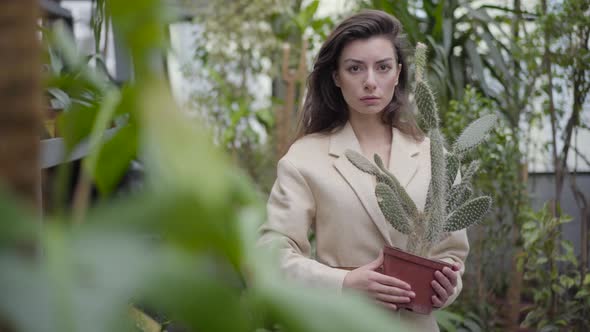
{"x":542,"y":189}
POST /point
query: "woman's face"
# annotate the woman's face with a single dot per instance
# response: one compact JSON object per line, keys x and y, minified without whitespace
{"x":367,"y":74}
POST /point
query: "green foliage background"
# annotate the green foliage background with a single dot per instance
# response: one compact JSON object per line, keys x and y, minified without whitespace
{"x":184,"y":244}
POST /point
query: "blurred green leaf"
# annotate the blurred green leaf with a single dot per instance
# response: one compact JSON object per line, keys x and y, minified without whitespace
{"x":16,"y":226}
{"x":102,"y":121}
{"x":114,"y":158}
{"x":305,"y":17}
{"x":76,"y":124}
{"x":299,"y":309}
{"x":447,"y":320}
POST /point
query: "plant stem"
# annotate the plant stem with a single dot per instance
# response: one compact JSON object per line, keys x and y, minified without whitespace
{"x":103,"y":119}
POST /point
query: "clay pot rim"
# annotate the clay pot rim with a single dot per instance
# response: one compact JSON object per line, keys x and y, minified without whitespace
{"x":419,"y":260}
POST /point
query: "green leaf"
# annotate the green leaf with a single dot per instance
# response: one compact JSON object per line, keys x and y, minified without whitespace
{"x":17,"y":226}
{"x":195,"y":297}
{"x":495,"y":54}
{"x":114,"y":158}
{"x":76,"y":124}
{"x":308,"y":13}
{"x":298,"y":309}
{"x":266,"y":118}
{"x":60,"y":100}
{"x":541,"y":260}
{"x":447,"y":320}
{"x":183,"y":163}
{"x":478,"y":66}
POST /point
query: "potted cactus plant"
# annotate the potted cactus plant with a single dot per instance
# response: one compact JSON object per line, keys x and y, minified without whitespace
{"x":449,"y":203}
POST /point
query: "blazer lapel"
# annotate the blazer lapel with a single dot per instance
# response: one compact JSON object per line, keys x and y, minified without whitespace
{"x":403,"y":159}
{"x":403,"y":165}
{"x":360,"y":182}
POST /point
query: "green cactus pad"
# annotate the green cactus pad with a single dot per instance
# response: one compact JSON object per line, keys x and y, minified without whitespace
{"x":438,"y":183}
{"x":453,"y":165}
{"x":428,"y":203}
{"x":392,"y":209}
{"x":425,"y":102}
{"x":390,"y":179}
{"x":420,"y":58}
{"x":468,"y":214}
{"x":471,"y":170}
{"x":467,"y":193}
{"x":474,"y":134}
{"x":458,"y":195}
{"x":361,"y":162}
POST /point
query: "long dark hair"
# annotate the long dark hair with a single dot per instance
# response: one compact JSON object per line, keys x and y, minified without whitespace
{"x":324,"y":108}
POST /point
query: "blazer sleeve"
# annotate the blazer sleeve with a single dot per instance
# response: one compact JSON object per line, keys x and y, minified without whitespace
{"x":453,"y":249}
{"x":291,"y":212}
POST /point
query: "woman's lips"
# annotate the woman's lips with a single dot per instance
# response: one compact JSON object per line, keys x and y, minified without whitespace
{"x":370,"y":100}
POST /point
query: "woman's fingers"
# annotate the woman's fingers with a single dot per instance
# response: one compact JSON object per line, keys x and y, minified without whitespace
{"x":444,"y":281}
{"x":391,"y":281}
{"x":387,"y":305}
{"x":441,"y":292}
{"x":451,"y":275}
{"x":437,"y":302}
{"x":384,"y":289}
{"x":391,"y":298}
{"x":376,"y":263}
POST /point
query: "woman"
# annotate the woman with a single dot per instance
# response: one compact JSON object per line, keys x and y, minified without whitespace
{"x":357,"y":99}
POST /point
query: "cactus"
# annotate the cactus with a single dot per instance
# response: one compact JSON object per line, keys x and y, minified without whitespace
{"x":449,"y":205}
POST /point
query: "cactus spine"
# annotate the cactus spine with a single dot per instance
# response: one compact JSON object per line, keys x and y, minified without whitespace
{"x":449,"y":206}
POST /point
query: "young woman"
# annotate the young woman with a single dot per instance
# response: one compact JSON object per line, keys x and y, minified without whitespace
{"x":357,"y":99}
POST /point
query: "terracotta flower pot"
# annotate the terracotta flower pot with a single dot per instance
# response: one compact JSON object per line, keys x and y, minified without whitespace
{"x":416,"y":271}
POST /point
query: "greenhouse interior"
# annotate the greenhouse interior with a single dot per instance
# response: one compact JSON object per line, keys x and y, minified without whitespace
{"x":295,"y":165}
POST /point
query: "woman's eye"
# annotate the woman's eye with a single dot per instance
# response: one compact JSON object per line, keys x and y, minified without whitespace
{"x":384,"y":67}
{"x":354,"y":69}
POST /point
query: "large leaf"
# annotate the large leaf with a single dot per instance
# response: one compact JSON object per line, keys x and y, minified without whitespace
{"x":494,"y":52}
{"x":297,"y":309}
{"x":16,"y":225}
{"x":478,"y":66}
{"x":448,"y":320}
{"x":76,"y":124}
{"x":114,"y":158}
{"x":86,"y":280}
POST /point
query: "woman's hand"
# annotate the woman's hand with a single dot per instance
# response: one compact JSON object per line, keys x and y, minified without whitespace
{"x":387,"y":291}
{"x":444,"y":285}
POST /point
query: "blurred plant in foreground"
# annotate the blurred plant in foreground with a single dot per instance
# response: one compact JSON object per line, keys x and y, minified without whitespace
{"x":184,"y":245}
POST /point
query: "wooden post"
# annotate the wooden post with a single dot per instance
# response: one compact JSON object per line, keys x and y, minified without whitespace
{"x":284,"y":115}
{"x":20,"y":99}
{"x":515,"y":288}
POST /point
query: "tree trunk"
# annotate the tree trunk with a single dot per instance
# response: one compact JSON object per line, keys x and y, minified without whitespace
{"x":514,"y":292}
{"x":558,"y":171}
{"x":20,"y":99}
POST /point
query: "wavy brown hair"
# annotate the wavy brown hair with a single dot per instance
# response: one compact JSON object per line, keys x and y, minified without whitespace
{"x":324,"y":108}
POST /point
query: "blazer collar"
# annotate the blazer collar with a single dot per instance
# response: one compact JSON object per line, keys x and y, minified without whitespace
{"x":403,"y":164}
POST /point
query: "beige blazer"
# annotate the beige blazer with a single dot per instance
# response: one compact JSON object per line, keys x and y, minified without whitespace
{"x":317,"y":188}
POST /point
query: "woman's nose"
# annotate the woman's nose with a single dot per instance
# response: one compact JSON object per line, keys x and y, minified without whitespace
{"x":369,"y":83}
